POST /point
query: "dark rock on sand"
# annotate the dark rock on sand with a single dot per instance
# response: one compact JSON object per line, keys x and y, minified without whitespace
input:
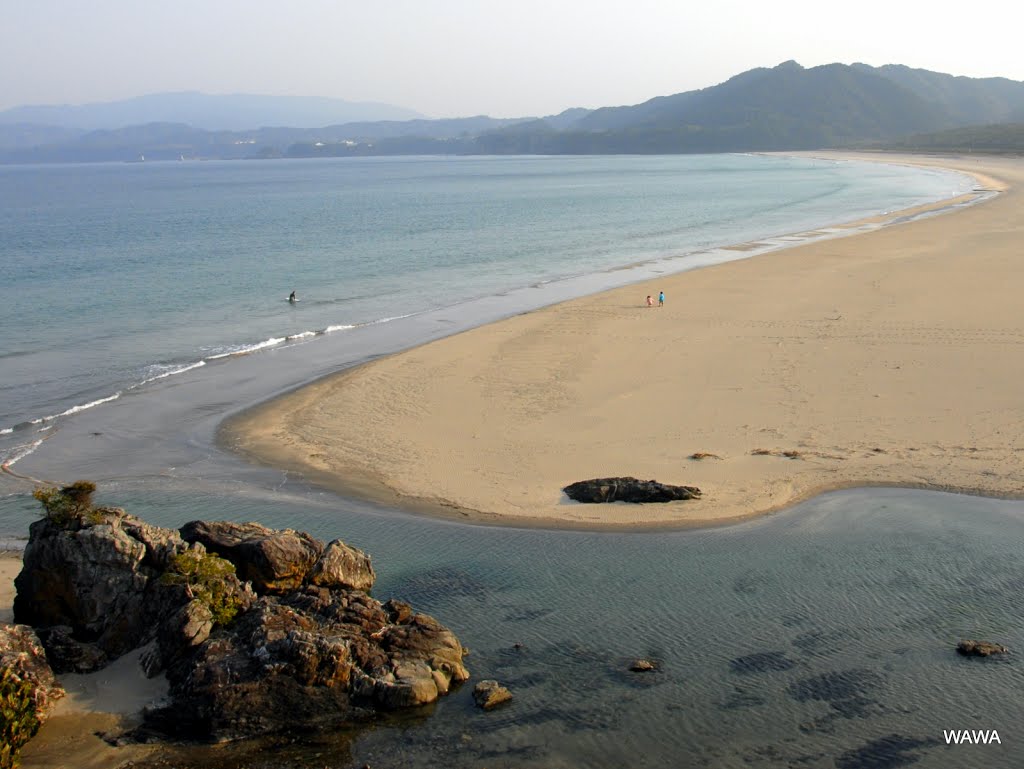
{"x":628,"y":490}
{"x":489,"y":694}
{"x":980,"y":648}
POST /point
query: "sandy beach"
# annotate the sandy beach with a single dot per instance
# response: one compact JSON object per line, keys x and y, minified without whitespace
{"x":892,"y":357}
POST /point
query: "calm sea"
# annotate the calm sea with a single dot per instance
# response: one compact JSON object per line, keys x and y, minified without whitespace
{"x":819,"y":637}
{"x":120,"y":275}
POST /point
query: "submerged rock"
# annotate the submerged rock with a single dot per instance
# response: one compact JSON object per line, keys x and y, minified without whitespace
{"x":642,"y":666}
{"x":628,"y":490}
{"x":489,"y":694}
{"x":980,"y":648}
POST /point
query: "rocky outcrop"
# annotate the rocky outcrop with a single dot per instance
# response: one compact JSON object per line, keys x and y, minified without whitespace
{"x":91,"y":586}
{"x":628,"y":490}
{"x":299,"y":644}
{"x":980,"y":648}
{"x":489,"y":694}
{"x":642,"y":666}
{"x":274,"y":561}
{"x":279,"y":561}
{"x":314,"y":658}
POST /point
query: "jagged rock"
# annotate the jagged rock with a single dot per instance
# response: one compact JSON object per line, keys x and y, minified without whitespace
{"x":22,"y":654}
{"x":642,"y":666}
{"x":274,"y":561}
{"x":68,"y":654}
{"x":980,"y":648}
{"x":489,"y":694}
{"x":298,"y":656}
{"x":628,"y":490}
{"x":314,"y":658}
{"x":399,"y":611}
{"x":179,"y":634}
{"x":96,"y":578}
{"x":343,"y":566}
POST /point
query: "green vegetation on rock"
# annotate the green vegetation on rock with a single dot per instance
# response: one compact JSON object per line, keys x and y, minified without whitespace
{"x":69,"y":504}
{"x":18,"y":719}
{"x":203,"y":575}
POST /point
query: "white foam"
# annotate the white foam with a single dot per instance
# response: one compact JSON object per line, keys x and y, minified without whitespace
{"x":75,"y":409}
{"x":301,"y":335}
{"x":84,"y":406}
{"x":28,"y":449}
{"x":250,"y":348}
{"x":171,"y":372}
{"x":393,"y":317}
{"x":332,"y":329}
{"x":7,"y":431}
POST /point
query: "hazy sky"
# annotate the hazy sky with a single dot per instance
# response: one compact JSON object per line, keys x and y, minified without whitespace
{"x":464,"y":57}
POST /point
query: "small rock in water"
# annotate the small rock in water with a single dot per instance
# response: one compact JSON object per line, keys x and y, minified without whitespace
{"x":489,"y":694}
{"x":980,"y":648}
{"x":642,"y":666}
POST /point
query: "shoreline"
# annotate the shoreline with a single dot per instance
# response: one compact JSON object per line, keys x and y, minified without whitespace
{"x":331,"y":433}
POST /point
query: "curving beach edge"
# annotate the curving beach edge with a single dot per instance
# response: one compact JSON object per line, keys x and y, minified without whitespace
{"x":890,"y":358}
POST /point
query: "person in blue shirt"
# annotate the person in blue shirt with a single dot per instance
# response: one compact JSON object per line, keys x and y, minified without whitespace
{"x":661,"y":299}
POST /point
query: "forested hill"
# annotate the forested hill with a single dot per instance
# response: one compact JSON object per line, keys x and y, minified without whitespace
{"x":787,"y":107}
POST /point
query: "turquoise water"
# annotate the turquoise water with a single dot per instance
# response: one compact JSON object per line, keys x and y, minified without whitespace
{"x":121,"y":275}
{"x":819,"y":637}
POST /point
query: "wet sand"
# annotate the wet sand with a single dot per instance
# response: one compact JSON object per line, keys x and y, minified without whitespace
{"x":891,"y":357}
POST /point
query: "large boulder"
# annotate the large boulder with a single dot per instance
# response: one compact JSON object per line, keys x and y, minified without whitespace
{"x":628,"y":490}
{"x":274,"y":561}
{"x":343,"y":566}
{"x":97,"y":579}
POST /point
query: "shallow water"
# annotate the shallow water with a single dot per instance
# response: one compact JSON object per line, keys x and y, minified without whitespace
{"x":823,"y":636}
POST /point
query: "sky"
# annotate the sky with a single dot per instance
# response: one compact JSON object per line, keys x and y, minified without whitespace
{"x":453,"y":58}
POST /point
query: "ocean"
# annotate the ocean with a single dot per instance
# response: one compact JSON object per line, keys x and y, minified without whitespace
{"x":147,"y":302}
{"x":122,"y":275}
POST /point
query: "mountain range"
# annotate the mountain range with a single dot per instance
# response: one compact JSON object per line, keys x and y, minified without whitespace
{"x":787,"y":107}
{"x":229,"y":112}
